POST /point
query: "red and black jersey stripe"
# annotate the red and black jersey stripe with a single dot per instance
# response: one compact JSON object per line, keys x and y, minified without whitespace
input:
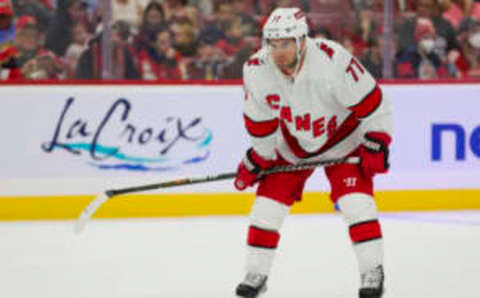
{"x":368,"y":104}
{"x":260,"y":129}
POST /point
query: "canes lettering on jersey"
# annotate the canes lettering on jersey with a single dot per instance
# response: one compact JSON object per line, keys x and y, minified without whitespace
{"x":303,"y":122}
{"x":306,"y":118}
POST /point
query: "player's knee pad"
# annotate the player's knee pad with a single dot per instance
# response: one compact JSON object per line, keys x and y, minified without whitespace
{"x":266,"y":219}
{"x":360,"y":213}
{"x":268,"y":214}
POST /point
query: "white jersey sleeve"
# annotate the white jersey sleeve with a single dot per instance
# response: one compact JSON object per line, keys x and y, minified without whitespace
{"x":261,"y":124}
{"x":358,"y":91}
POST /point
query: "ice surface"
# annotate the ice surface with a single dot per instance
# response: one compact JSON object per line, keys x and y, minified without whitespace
{"x":427,"y":255}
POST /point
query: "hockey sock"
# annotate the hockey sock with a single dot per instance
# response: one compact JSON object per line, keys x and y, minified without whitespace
{"x":266,"y":219}
{"x":360,"y":213}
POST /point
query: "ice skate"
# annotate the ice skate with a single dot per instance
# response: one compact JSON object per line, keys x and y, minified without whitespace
{"x":253,"y":285}
{"x":372,"y":283}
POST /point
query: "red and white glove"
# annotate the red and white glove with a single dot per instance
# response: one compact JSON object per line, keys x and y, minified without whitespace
{"x":374,"y":153}
{"x":249,"y":169}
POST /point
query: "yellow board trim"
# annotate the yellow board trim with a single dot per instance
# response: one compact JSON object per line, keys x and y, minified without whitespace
{"x":172,"y":205}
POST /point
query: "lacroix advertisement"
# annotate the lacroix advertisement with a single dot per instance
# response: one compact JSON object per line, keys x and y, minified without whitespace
{"x":76,"y":139}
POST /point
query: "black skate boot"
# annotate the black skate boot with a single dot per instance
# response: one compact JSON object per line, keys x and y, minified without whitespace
{"x":372,"y":283}
{"x":253,"y":285}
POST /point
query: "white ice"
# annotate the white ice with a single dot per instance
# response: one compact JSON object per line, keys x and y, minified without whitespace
{"x":427,"y":255}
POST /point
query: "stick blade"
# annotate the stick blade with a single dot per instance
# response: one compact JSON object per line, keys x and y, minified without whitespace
{"x":89,"y":211}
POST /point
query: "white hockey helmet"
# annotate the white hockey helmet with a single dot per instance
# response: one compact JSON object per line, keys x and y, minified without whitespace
{"x":286,"y":23}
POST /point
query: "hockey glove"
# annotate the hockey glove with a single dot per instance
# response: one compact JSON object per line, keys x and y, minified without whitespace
{"x":249,"y":169}
{"x":374,"y":153}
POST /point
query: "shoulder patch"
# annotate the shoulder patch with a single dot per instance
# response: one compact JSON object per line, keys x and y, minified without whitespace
{"x":326,"y":49}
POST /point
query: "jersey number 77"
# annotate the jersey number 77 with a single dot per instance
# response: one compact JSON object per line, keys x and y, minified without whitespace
{"x":353,"y":67}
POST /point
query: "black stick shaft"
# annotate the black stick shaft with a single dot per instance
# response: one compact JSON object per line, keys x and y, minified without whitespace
{"x":187,"y":181}
{"x":225,"y":176}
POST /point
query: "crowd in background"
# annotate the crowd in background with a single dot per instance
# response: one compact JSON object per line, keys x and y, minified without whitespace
{"x":210,"y":40}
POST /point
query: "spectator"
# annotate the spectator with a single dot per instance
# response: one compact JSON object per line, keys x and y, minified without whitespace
{"x":469,"y":62}
{"x":205,"y":7}
{"x":234,"y":69}
{"x":48,"y":4}
{"x":180,"y":10}
{"x":208,"y":62}
{"x":59,"y":35}
{"x":153,"y":19}
{"x":366,"y":30}
{"x":162,"y":61}
{"x":77,"y":47}
{"x":372,"y":58}
{"x":446,"y":40}
{"x":475,"y":10}
{"x":234,"y":38}
{"x":90,"y":64}
{"x":26,"y":59}
{"x":249,"y":25}
{"x":185,"y":37}
{"x":455,"y":11}
{"x":420,"y":60}
{"x":129,"y":11}
{"x":35,"y":9}
{"x":223,"y":15}
{"x":7,"y":28}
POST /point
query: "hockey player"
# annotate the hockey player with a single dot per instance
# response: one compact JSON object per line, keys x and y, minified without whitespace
{"x":308,"y":100}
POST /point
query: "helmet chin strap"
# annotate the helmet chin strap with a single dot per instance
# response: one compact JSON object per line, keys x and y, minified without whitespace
{"x":299,"y":47}
{"x":299,"y":55}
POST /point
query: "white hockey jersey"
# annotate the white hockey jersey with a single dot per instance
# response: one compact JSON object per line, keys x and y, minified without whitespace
{"x":322,"y":113}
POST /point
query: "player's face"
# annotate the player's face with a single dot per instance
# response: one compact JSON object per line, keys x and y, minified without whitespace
{"x":284,"y":52}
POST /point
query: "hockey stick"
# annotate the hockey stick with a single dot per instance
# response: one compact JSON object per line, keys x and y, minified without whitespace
{"x":90,"y":210}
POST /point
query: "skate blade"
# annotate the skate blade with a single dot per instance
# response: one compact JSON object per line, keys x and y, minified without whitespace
{"x":260,"y":293}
